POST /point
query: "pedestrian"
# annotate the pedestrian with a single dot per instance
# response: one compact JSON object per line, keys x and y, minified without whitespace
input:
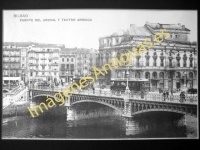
{"x":183,"y":96}
{"x":167,"y":95}
{"x":172,"y":92}
{"x":164,"y":95}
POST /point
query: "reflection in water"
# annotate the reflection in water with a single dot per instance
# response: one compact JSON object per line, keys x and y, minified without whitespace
{"x":90,"y":120}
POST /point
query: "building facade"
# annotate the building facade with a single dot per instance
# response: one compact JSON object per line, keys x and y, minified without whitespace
{"x":170,"y":65}
{"x":85,"y":61}
{"x":11,"y":65}
{"x":43,"y":62}
{"x":67,"y":65}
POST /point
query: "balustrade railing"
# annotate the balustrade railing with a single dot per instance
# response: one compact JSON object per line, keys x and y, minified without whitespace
{"x":134,"y":96}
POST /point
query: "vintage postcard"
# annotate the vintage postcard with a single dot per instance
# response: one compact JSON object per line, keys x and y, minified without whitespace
{"x":100,"y":74}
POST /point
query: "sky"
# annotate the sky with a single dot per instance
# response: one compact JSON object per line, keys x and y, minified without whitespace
{"x":85,"y":34}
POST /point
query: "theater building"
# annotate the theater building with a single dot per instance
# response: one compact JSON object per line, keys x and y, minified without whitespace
{"x":171,"y":64}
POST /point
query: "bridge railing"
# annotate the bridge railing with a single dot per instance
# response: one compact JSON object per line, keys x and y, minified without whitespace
{"x":137,"y":96}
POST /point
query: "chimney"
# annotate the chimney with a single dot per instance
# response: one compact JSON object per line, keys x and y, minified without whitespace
{"x":179,"y":24}
{"x":132,"y":25}
{"x":183,"y":26}
{"x":147,"y":22}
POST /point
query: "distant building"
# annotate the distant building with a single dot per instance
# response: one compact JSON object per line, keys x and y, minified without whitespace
{"x":43,"y":62}
{"x":11,"y":65}
{"x":15,"y":61}
{"x":85,"y":61}
{"x":67,"y":62}
{"x":164,"y":66}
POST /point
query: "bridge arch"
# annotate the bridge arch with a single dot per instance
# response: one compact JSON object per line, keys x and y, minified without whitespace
{"x":158,"y":110}
{"x":5,"y":90}
{"x":100,"y":102}
{"x":44,"y":95}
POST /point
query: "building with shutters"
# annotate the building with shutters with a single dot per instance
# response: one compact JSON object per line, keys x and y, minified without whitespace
{"x":169,"y":65}
{"x":43,"y":62}
{"x":67,"y":63}
{"x":85,"y":61}
{"x":15,"y":61}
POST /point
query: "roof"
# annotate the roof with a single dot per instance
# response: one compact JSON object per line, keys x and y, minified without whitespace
{"x":139,"y":31}
{"x":19,"y":44}
{"x":68,"y":50}
{"x":84,"y":50}
{"x":47,"y":46}
{"x":120,"y":33}
{"x":167,"y":26}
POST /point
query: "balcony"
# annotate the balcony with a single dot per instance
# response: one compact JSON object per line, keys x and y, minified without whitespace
{"x":62,"y":69}
{"x":33,"y":58}
{"x":43,"y":64}
{"x":55,"y":58}
{"x":53,"y":64}
{"x":33,"y":64}
{"x":43,"y":58}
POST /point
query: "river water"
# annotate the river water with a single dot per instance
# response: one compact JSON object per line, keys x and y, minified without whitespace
{"x":95,"y":121}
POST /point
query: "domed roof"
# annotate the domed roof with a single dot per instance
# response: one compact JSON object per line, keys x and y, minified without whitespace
{"x":119,"y":33}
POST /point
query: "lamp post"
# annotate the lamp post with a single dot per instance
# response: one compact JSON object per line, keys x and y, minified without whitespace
{"x":184,"y":85}
{"x":9,"y":70}
{"x":127,"y":91}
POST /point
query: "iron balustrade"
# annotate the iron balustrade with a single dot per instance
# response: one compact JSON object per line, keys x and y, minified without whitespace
{"x":135,"y":96}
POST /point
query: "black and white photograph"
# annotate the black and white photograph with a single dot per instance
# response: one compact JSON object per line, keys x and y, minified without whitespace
{"x":99,"y":74}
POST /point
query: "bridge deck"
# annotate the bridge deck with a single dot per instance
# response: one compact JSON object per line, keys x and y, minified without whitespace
{"x":149,"y":97}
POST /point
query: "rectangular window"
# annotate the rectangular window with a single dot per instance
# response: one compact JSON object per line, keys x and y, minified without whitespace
{"x":62,"y":59}
{"x":67,"y":59}
{"x":54,"y":73}
{"x":72,"y":66}
{"x":43,"y":67}
{"x":43,"y":73}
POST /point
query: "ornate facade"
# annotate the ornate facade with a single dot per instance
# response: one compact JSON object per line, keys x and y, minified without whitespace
{"x":167,"y":65}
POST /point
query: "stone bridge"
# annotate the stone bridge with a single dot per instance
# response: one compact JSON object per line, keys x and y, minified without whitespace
{"x":128,"y":106}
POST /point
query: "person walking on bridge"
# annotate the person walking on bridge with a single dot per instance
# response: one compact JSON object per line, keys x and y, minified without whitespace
{"x":167,"y":95}
{"x":164,"y":95}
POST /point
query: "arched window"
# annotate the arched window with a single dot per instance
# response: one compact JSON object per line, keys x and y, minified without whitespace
{"x":178,"y":75}
{"x":154,"y":75}
{"x":137,"y":75}
{"x":190,"y":75}
{"x":147,"y":75}
{"x":161,"y":75}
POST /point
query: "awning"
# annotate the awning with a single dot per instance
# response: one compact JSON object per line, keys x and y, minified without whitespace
{"x":130,"y":79}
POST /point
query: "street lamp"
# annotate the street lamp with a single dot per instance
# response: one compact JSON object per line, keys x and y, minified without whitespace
{"x":127,"y":91}
{"x":184,"y":85}
{"x":9,"y":70}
